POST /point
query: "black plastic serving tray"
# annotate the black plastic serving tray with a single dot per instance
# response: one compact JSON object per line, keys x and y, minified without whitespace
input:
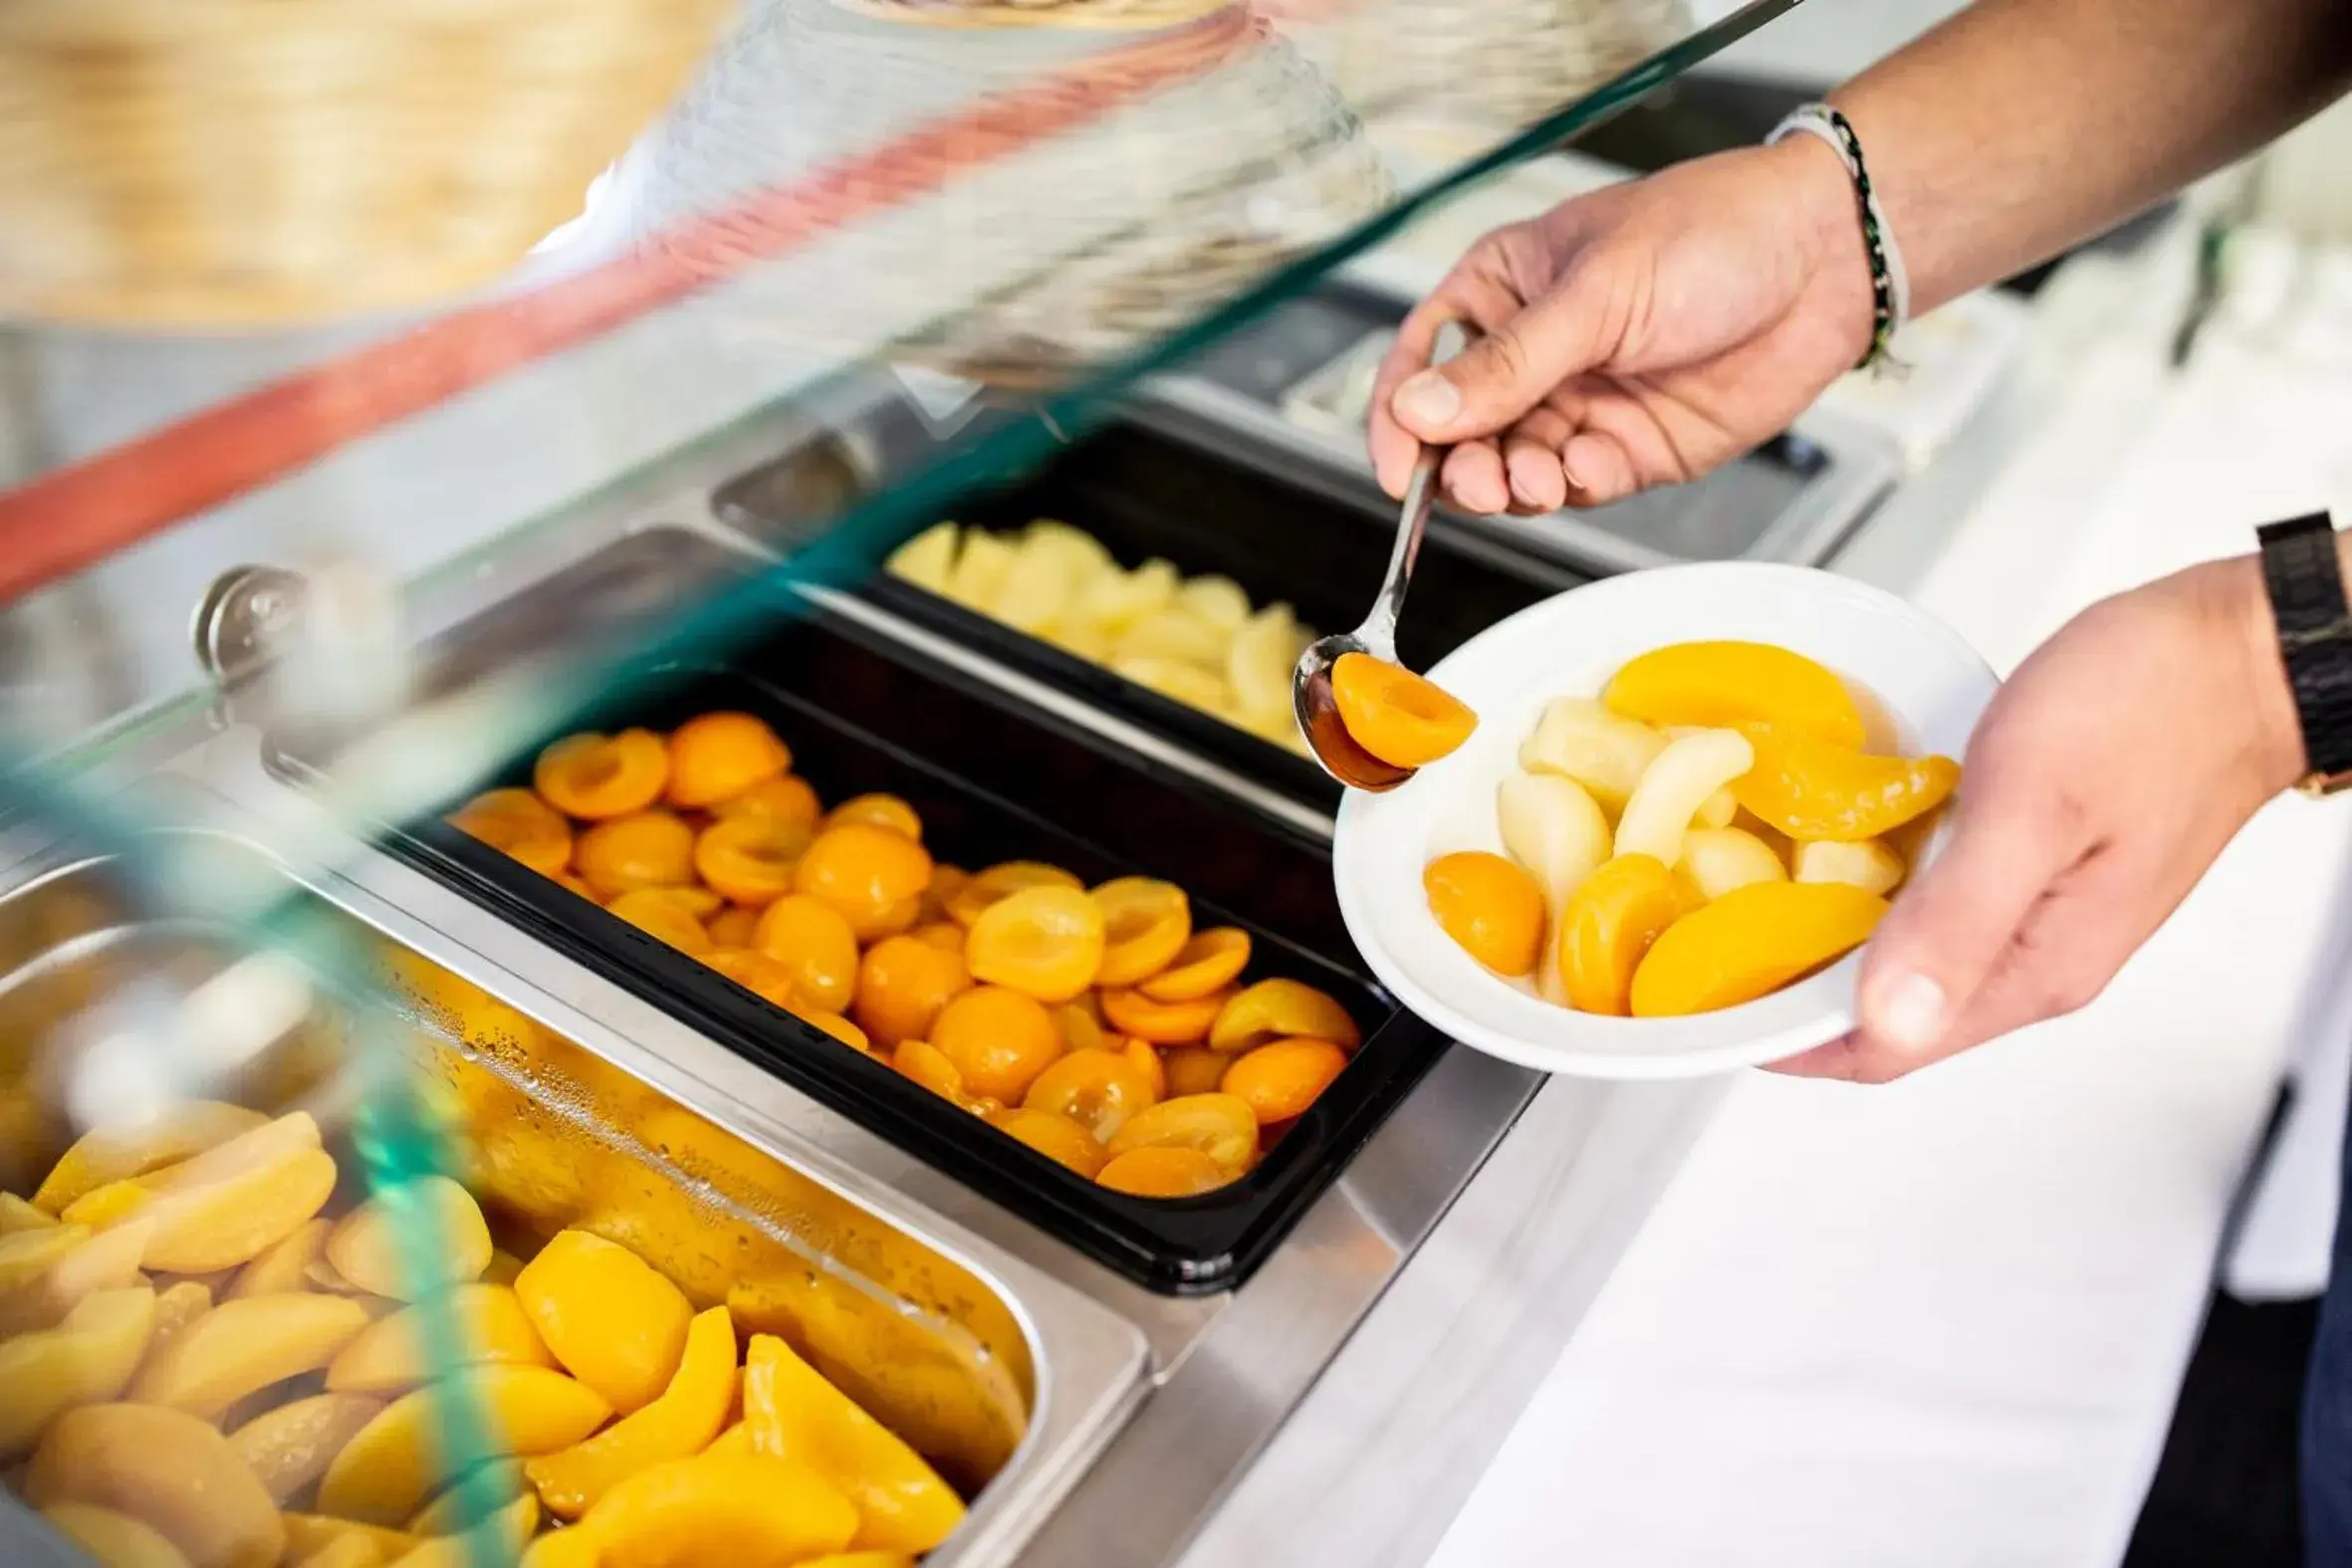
{"x":992,"y":782}
{"x":1142,"y":494}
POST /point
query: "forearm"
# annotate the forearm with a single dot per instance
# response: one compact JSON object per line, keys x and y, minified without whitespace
{"x":2022,"y":127}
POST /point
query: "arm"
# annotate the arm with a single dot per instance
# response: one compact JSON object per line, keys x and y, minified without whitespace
{"x":1648,"y":332}
{"x":2020,"y":126}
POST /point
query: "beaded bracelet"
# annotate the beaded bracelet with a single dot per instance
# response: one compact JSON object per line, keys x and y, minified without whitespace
{"x":1890,"y":287}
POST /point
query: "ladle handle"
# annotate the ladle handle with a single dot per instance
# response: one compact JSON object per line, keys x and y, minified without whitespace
{"x":1379,"y":629}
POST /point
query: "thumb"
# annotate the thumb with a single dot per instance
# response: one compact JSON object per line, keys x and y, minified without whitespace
{"x":1949,"y":933}
{"x":1502,"y":374}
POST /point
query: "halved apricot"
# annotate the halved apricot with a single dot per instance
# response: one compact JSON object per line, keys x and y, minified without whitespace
{"x":756,"y":972}
{"x":1714,"y":685}
{"x":1749,"y":943}
{"x":1163,"y":1022}
{"x":1279,"y":1009}
{"x":965,"y":904}
{"x":719,"y":756}
{"x":653,"y":911}
{"x":1209,"y":961}
{"x":834,"y":1024}
{"x":946,"y":881}
{"x":641,"y":849}
{"x":944,"y":935}
{"x":733,"y":927}
{"x":1608,"y":926}
{"x":1054,"y":1136}
{"x":1396,"y":715}
{"x":1146,"y":1057}
{"x":519,"y":823}
{"x":902,"y":982}
{"x":1281,"y":1081}
{"x":1218,"y":1125}
{"x":878,"y":810}
{"x":875,"y":877}
{"x":1163,"y":1173}
{"x":787,"y":798}
{"x":1099,"y":1090}
{"x":815,"y":941}
{"x":750,"y":859}
{"x":595,"y":777}
{"x":1194,"y":1069}
{"x":1146,"y":924}
{"x":1080,"y":1028}
{"x":1489,"y":906}
{"x":998,"y":1039}
{"x":1046,"y":942}
{"x":1811,"y":789}
{"x":929,"y":1067}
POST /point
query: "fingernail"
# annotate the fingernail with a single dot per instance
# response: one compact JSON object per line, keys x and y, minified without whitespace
{"x":1428,"y":399}
{"x":1910,"y":1012}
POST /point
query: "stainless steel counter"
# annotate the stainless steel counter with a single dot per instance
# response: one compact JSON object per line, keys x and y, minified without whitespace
{"x":1338,"y":1406}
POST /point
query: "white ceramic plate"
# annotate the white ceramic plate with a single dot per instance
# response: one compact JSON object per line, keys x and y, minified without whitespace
{"x":1929,"y":687}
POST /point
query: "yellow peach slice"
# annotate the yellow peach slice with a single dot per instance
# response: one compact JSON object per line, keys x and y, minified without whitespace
{"x":1749,"y":943}
{"x":290,"y":1446}
{"x":390,"y":1356}
{"x":368,"y":1247}
{"x":286,"y":1266}
{"x":205,"y":1223}
{"x":309,"y":1534}
{"x":745,"y":1510}
{"x":501,"y":1481}
{"x":167,"y":1469}
{"x":84,"y":1361}
{"x":1702,"y":684}
{"x":796,"y":1415}
{"x":177,"y":1306}
{"x":241,"y":1347}
{"x":116,"y":1540}
{"x":17,"y":1215}
{"x":514,"y":1523}
{"x":112,"y":1154}
{"x":573,"y":1548}
{"x":349,"y":1551}
{"x":681,"y":1423}
{"x":106,"y":1261}
{"x":28,"y":1254}
{"x":386,"y":1472}
{"x":611,"y":1319}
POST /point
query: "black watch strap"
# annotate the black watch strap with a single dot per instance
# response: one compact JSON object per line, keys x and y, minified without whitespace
{"x":2314,"y":637}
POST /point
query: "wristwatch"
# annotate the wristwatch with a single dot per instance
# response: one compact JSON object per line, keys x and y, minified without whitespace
{"x":2314,"y":640}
